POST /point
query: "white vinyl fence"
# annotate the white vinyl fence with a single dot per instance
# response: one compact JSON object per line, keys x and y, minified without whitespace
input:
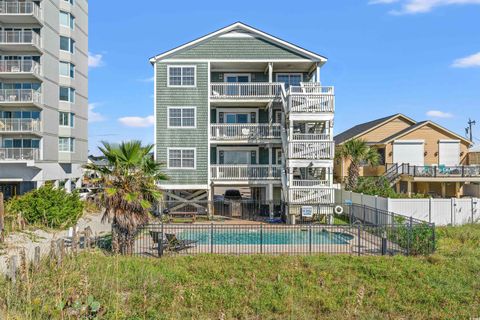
{"x":442,"y":212}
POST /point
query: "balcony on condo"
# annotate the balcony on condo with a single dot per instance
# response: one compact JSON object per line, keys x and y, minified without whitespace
{"x":23,"y":40}
{"x":20,"y":97}
{"x":24,"y":125}
{"x":246,"y":132}
{"x":19,"y":69}
{"x":245,"y":172}
{"x":256,"y":82}
{"x":27,"y":12}
{"x":19,"y":149}
{"x":311,"y":150}
{"x":309,"y":100}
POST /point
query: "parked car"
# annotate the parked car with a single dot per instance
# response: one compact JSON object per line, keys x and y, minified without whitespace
{"x":87,"y":193}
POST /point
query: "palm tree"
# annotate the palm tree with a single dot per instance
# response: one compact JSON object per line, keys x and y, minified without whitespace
{"x":128,"y":189}
{"x":357,"y":151}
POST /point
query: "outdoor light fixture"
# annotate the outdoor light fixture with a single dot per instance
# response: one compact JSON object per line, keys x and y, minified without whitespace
{"x":436,"y":154}
{"x":425,"y":153}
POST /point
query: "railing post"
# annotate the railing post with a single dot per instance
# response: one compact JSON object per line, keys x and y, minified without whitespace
{"x":211,"y":237}
{"x":409,"y":235}
{"x":310,"y":239}
{"x":358,"y":239}
{"x":160,"y":242}
{"x":261,"y":238}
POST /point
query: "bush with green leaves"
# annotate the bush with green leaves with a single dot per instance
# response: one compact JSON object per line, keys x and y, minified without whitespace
{"x":48,"y":206}
{"x":379,"y":186}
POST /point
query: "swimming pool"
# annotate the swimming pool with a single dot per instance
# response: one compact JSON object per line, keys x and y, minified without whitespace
{"x":266,"y":237}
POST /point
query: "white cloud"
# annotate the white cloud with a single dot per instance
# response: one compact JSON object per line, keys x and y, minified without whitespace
{"x":467,"y":62}
{"x":439,"y":114}
{"x":92,"y":115}
{"x":149,"y":79}
{"x":422,"y":6}
{"x":95,"y":60}
{"x":137,"y":122}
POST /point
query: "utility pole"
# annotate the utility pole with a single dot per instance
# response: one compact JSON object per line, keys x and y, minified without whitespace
{"x":469,"y":129}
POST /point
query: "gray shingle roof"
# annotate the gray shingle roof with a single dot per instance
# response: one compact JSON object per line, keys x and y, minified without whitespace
{"x":358,"y":129}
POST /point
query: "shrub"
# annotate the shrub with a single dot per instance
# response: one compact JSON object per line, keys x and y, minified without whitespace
{"x":379,"y":186}
{"x":47,"y":206}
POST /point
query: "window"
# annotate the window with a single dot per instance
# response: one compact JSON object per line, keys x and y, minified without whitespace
{"x":21,"y":143}
{"x":181,"y":117}
{"x":67,"y":94}
{"x":67,"y":69}
{"x":67,"y":20}
{"x":67,"y":44}
{"x":70,"y":1}
{"x":181,"y":76}
{"x":66,"y":119}
{"x":181,"y":158}
{"x":66,"y":144}
{"x":290,"y":79}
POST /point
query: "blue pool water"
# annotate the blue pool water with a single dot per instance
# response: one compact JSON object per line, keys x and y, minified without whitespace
{"x":255,"y":236}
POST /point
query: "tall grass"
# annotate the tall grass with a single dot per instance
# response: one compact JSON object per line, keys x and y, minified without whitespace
{"x":93,"y":284}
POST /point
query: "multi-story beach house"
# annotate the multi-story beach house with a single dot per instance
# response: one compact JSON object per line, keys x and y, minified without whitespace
{"x":240,"y":109}
{"x":43,"y":93}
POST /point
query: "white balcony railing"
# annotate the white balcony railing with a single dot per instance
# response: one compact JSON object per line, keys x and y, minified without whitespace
{"x":312,"y":150}
{"x":311,"y":136}
{"x":245,"y":172}
{"x":311,"y":88}
{"x":20,"y":125}
{"x":19,"y":66}
{"x":317,"y":196}
{"x":310,"y":183}
{"x":19,"y":37}
{"x":245,"y":131}
{"x":19,"y":7}
{"x":311,"y":103}
{"x":245,"y":90}
{"x":20,"y":95}
{"x":18,"y":154}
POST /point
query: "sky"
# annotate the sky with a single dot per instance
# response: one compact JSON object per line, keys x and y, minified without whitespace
{"x":417,"y":57}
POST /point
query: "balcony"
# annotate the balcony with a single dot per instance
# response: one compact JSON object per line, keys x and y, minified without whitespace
{"x":439,"y":171}
{"x":312,"y":150}
{"x":26,"y":12}
{"x":245,"y":132}
{"x":18,"y":69}
{"x":245,"y":91}
{"x":244,"y":172}
{"x":310,"y":183}
{"x":20,"y":97}
{"x":310,"y":99}
{"x":20,"y":125}
{"x":309,"y":195}
{"x":20,"y":41}
{"x":19,"y":154}
{"x":311,"y":136}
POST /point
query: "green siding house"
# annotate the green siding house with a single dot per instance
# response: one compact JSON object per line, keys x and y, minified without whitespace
{"x":242,"y":109}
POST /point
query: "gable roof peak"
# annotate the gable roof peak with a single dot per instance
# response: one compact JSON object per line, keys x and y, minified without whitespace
{"x":243,"y":26}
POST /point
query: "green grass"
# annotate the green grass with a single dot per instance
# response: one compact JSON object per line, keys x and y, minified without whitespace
{"x":445,"y":285}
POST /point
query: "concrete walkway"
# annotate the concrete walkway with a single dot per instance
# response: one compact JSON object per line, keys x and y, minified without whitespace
{"x":28,"y":240}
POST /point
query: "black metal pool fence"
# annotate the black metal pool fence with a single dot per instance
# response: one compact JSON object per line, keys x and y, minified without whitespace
{"x":359,"y":230}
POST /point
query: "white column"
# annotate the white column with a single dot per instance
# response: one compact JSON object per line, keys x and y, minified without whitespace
{"x":270,"y":198}
{"x":317,"y":74}
{"x":270,"y":72}
{"x":68,"y":186}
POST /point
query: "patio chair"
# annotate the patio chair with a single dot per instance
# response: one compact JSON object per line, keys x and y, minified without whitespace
{"x":443,"y":169}
{"x":175,"y":244}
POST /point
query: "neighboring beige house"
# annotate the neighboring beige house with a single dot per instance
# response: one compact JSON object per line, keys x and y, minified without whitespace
{"x":416,"y":157}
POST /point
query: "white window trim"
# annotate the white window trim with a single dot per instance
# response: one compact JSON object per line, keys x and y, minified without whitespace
{"x":69,"y":65}
{"x":176,"y":168}
{"x":70,"y":115}
{"x":72,"y":143}
{"x":226,"y":75}
{"x":182,"y":66}
{"x":182,"y":127}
